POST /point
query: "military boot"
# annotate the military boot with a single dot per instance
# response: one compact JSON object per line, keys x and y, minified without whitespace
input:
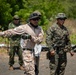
{"x":21,"y":68}
{"x":11,"y":68}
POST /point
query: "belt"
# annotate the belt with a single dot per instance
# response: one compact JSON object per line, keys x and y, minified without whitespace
{"x":28,"y":49}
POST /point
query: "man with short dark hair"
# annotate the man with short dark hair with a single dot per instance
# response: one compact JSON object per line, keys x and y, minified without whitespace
{"x":58,"y":41}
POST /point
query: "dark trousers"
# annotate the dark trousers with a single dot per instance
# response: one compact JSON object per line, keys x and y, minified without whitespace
{"x":36,"y":65}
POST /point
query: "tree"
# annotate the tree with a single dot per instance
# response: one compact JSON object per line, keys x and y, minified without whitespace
{"x":23,"y":8}
{"x":5,"y":15}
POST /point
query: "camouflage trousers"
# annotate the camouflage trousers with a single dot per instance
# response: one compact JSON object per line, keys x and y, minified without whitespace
{"x":18,"y":51}
{"x":57,"y":64}
{"x":29,"y":65}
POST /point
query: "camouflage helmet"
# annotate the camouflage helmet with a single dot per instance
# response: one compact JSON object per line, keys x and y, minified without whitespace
{"x":61,"y":15}
{"x":37,"y":12}
{"x":16,"y":17}
{"x":34,"y":15}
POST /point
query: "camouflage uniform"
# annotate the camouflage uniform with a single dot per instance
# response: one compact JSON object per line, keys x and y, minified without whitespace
{"x":28,"y":44}
{"x":14,"y":42}
{"x":57,"y":39}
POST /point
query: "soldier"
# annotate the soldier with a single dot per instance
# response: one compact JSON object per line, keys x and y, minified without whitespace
{"x":32,"y":33}
{"x":38,"y":56}
{"x":58,"y":41}
{"x":15,"y":44}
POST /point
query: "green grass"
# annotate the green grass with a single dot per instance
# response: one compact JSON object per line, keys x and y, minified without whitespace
{"x":3,"y":40}
{"x":73,"y":38}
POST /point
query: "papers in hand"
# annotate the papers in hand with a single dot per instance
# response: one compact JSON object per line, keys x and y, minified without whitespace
{"x":22,"y":43}
{"x":37,"y":49}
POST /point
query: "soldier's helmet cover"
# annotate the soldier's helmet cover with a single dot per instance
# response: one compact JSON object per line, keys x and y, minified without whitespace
{"x":61,"y":16}
{"x":16,"y":17}
{"x":33,"y":16}
{"x":36,"y":11}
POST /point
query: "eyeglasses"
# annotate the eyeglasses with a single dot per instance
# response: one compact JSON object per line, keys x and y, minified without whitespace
{"x":35,"y":19}
{"x":62,"y":18}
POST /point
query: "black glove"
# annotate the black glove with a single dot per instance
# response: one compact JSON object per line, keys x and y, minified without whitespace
{"x":26,"y":36}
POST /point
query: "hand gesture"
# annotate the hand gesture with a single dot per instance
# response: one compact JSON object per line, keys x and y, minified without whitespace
{"x":52,"y":53}
{"x":71,"y":53}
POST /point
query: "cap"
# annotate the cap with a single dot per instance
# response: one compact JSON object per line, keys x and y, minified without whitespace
{"x":37,"y":12}
{"x":34,"y":15}
{"x":61,"y":15}
{"x":16,"y":17}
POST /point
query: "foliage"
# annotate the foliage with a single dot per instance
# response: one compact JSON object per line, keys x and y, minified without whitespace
{"x":48,"y":9}
{"x":5,"y":13}
{"x":73,"y":39}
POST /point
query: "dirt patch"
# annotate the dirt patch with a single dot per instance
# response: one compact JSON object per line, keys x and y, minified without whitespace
{"x":3,"y":52}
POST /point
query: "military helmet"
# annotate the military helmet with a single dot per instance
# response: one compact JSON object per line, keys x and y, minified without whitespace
{"x":61,"y":16}
{"x":34,"y":15}
{"x":16,"y":17}
{"x":37,"y":12}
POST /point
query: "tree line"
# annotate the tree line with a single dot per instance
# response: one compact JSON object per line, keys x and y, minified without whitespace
{"x":23,"y":8}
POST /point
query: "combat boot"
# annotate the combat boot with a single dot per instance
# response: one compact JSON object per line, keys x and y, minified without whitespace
{"x":21,"y":68}
{"x":11,"y":68}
